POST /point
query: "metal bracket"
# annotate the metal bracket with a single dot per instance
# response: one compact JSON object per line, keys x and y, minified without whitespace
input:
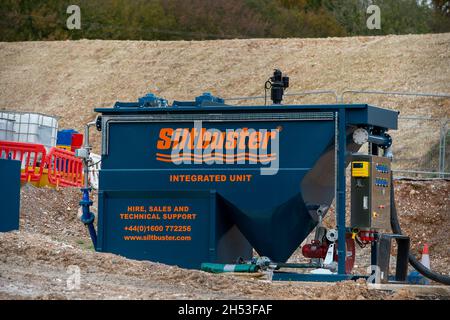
{"x":384,"y":255}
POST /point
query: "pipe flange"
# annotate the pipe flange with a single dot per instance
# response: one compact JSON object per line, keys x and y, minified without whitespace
{"x":389,"y":143}
{"x":89,"y":219}
{"x":332,"y":235}
{"x":360,"y":136}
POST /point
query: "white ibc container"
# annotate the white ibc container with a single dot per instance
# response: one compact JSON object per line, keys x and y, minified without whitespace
{"x":48,"y":131}
{"x":35,"y":128}
{"x":7,"y":126}
{"x":27,"y":126}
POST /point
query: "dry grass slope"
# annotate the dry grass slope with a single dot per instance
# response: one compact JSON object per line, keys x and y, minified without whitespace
{"x":69,"y":78}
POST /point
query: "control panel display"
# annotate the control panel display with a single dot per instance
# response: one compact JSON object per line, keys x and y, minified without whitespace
{"x":370,"y":192}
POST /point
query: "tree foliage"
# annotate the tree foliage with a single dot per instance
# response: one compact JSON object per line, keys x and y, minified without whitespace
{"x":216,"y":19}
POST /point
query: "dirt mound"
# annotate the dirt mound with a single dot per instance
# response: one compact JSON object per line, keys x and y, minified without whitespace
{"x":424,"y":213}
{"x":34,"y":263}
{"x":35,"y":266}
{"x":53,"y":212}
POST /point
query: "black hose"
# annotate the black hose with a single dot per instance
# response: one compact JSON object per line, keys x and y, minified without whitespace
{"x":395,"y":225}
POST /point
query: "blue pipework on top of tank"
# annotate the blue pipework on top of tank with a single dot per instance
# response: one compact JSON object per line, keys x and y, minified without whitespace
{"x":150,"y":100}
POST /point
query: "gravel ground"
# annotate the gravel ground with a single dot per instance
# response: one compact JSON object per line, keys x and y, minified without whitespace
{"x":35,"y":262}
{"x":36,"y":266}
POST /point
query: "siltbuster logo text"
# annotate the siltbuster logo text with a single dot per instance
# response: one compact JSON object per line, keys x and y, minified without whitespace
{"x":198,"y":145}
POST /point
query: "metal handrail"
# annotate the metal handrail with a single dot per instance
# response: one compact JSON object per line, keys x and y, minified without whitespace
{"x":304,"y":93}
{"x":422,"y":172}
{"x":416,"y":94}
{"x":293,"y":94}
{"x":421,"y":118}
{"x":244,"y":98}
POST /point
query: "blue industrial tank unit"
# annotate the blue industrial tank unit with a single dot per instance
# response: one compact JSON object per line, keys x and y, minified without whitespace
{"x":202,"y":181}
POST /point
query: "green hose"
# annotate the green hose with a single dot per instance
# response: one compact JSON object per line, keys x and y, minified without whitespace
{"x":220,"y":267}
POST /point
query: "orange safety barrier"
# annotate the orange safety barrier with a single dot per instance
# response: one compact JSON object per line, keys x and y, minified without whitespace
{"x":64,"y":169}
{"x":30,"y":155}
